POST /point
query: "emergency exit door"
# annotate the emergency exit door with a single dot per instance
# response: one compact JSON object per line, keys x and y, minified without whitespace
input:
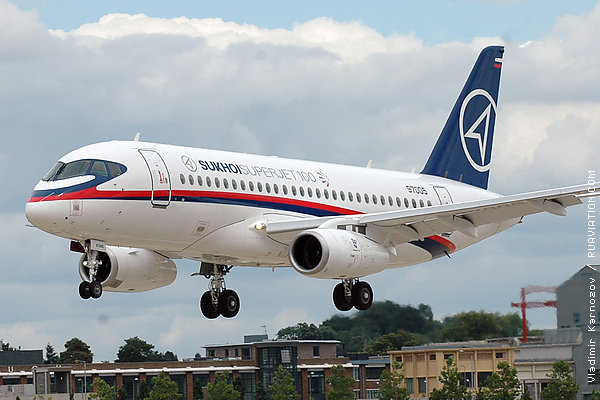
{"x":159,"y":176}
{"x":443,"y":195}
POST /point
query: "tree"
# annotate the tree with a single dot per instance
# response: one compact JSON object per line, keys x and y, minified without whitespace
{"x":283,"y":387}
{"x":562,"y":384}
{"x":304,"y":331}
{"x":76,"y":350}
{"x":239,"y":386}
{"x":102,"y":390}
{"x":476,"y":325}
{"x":135,"y":350}
{"x":391,"y":385}
{"x":501,"y":385}
{"x":51,"y":356}
{"x":197,"y":392}
{"x":340,"y":384}
{"x":391,"y":341}
{"x":144,"y":392}
{"x":261,"y":393}
{"x":221,"y":390}
{"x":163,"y":388}
{"x":451,"y":387}
{"x":527,"y":395}
{"x":122,"y":393}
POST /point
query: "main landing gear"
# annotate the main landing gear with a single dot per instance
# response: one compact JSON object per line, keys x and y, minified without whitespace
{"x":352,"y":293}
{"x":90,"y":288}
{"x":218,"y":300}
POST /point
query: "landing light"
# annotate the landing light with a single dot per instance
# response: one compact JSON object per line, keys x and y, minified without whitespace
{"x":259,"y":226}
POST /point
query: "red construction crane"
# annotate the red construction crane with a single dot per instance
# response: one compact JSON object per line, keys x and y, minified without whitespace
{"x":524,"y":304}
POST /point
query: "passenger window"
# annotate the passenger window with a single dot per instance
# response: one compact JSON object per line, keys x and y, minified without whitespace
{"x":414,"y":203}
{"x":366,"y":198}
{"x":259,"y":186}
{"x":358,"y":198}
{"x":234,"y":184}
{"x":191,"y":179}
{"x":99,"y":169}
{"x":294,"y":190}
{"x":276,"y":188}
{"x":421,"y":203}
{"x":217,"y":182}
{"x":199,"y":179}
{"x":334,"y":194}
{"x":382,"y":198}
{"x":251,"y":186}
{"x":225,"y":183}
{"x":406,"y":203}
{"x":398,"y":202}
{"x":208,"y":183}
{"x":374,"y":199}
{"x":429,"y":203}
{"x":342,"y":196}
{"x":326,"y":193}
{"x":301,"y":191}
{"x":285,"y":191}
{"x":309,"y":191}
{"x":318,"y":193}
{"x":268,"y":188}
{"x":182,"y":179}
{"x":243,"y":185}
{"x":390,"y":201}
{"x":350,"y":196}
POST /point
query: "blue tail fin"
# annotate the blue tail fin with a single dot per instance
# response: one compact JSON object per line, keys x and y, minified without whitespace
{"x":463,"y":151}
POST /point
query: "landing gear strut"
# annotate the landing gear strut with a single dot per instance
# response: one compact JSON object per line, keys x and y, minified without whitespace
{"x":352,"y":292}
{"x":91,"y":288}
{"x":218,"y":300}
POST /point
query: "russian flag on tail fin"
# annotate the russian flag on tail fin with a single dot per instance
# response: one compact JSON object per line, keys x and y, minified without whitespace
{"x":463,"y":151}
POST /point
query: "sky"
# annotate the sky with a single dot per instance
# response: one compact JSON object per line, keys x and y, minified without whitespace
{"x":339,"y":81}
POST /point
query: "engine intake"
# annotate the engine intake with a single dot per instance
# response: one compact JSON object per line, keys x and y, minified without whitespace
{"x":336,"y":254}
{"x":125,"y":269}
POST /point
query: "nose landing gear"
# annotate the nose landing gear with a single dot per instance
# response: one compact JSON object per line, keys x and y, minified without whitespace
{"x":218,"y":300}
{"x":91,"y":288}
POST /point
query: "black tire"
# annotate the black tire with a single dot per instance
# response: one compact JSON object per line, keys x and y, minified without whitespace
{"x":229,"y":303}
{"x":339,"y":298}
{"x":207,"y":307}
{"x":85,"y":290}
{"x":362,"y":295}
{"x":95,"y":289}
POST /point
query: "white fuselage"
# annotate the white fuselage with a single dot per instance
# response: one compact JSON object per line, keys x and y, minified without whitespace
{"x":205,"y":204}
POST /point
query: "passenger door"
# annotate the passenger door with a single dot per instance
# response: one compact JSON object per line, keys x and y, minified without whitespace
{"x":159,"y":175}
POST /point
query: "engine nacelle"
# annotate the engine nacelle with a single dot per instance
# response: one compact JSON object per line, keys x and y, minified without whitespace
{"x":336,"y":254}
{"x":125,"y":269}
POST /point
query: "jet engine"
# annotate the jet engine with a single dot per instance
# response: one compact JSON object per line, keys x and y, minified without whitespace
{"x":125,"y":269}
{"x":336,"y":254}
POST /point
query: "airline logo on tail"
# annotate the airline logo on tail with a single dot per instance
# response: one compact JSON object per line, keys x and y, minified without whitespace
{"x":476,"y":150}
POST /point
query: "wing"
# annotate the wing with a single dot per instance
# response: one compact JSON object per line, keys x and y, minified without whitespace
{"x":466,"y":217}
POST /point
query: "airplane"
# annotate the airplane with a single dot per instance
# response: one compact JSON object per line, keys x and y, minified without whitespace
{"x":131,"y":207}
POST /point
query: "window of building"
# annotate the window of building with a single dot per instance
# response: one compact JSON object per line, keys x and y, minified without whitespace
{"x":316,"y":352}
{"x":246,"y":353}
{"x":356,"y":393}
{"x":372,"y":393}
{"x":226,"y":352}
{"x":399,"y":359}
{"x":432,"y":356}
{"x":422,"y":382}
{"x":286,"y":358}
{"x":447,"y":356}
{"x":410,"y":385}
{"x":499,"y":354}
{"x":237,"y":353}
{"x":211,"y":352}
{"x":355,"y":373}
{"x":374,"y":373}
{"x":182,"y":179}
{"x":482,"y":378}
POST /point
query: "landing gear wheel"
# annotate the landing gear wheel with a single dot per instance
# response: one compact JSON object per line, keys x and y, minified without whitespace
{"x":229,"y":303}
{"x":207,"y":307}
{"x":339,"y":298}
{"x":95,"y":289}
{"x":362,"y":295}
{"x":85,"y":290}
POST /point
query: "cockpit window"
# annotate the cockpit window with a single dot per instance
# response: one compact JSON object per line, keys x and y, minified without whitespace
{"x":84,"y":167}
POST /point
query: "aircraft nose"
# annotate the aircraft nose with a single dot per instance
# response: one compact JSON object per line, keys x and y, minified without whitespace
{"x":45,"y":215}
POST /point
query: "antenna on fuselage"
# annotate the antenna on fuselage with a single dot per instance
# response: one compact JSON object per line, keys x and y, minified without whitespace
{"x":369,"y":163}
{"x":137,"y":137}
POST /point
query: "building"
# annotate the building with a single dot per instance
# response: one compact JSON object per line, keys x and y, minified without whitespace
{"x":255,"y":360}
{"x":476,"y":361}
